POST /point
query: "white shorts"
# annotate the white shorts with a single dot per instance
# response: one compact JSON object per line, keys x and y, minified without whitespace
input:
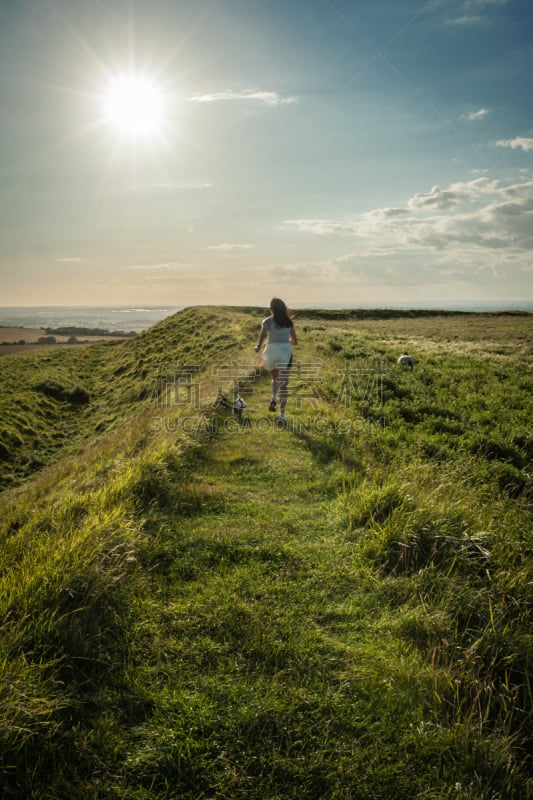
{"x":277,"y":356}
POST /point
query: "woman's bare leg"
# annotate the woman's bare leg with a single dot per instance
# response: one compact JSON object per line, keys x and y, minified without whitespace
{"x":275,"y":383}
{"x":283,"y":386}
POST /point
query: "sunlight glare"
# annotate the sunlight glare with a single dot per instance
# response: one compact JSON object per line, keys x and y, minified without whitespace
{"x":133,"y":106}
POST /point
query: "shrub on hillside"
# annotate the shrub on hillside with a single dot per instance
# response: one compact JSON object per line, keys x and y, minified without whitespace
{"x":76,"y":395}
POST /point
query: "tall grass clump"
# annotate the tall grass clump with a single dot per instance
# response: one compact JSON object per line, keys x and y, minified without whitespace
{"x":71,"y":581}
{"x":457,"y":574}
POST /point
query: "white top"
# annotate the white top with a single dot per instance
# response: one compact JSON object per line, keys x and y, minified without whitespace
{"x":276,"y":335}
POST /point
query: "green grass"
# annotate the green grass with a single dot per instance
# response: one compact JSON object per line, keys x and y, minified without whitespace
{"x":54,"y":401}
{"x":197,"y":608}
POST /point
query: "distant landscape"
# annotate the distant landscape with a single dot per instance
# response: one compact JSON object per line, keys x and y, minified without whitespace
{"x":200,"y":605}
{"x":110,"y":318}
{"x":15,"y":340}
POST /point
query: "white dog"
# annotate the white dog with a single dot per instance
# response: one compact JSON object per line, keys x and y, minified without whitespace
{"x":405,"y":360}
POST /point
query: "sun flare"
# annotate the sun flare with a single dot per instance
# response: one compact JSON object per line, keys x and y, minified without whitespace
{"x":133,"y":105}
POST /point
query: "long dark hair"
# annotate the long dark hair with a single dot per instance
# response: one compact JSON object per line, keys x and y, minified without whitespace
{"x":280,"y":313}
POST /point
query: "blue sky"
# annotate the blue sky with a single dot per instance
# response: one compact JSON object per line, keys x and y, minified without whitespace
{"x":327,"y":151}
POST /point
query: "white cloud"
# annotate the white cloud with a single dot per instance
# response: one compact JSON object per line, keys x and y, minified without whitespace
{"x":437,"y":198}
{"x":471,"y":12}
{"x":169,"y":265}
{"x":518,"y":142}
{"x":472,"y":116}
{"x":476,"y":186}
{"x":226,"y":247}
{"x":70,"y":260}
{"x":403,"y":218}
{"x":165,"y":187}
{"x":298,"y":274}
{"x":387,"y":213}
{"x":270,"y":98}
{"x":456,"y":195}
{"x":324,"y":227}
{"x":522,"y":191}
{"x":465,"y":19}
{"x":476,"y":226}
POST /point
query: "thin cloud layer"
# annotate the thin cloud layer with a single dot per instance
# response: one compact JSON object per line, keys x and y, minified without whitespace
{"x":471,"y":12}
{"x":469,"y":227}
{"x":258,"y":95}
{"x":472,"y":116}
{"x":456,"y":195}
{"x":227,"y":246}
{"x":168,"y":265}
{"x":519,"y":142}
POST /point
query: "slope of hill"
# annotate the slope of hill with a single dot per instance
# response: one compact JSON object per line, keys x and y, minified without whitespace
{"x":55,"y":400}
{"x":197,"y":607}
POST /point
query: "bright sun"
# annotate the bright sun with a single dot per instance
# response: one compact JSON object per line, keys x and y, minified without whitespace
{"x":133,"y":105}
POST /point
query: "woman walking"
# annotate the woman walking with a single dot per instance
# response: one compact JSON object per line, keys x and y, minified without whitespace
{"x":277,"y":355}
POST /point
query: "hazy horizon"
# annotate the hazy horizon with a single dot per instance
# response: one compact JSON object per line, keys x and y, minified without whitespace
{"x":429,"y":304}
{"x":221,"y":153}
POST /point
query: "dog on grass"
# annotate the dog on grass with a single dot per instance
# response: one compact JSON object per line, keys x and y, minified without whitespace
{"x":405,"y":360}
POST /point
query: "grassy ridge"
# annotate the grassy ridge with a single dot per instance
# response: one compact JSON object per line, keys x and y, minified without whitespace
{"x":195,"y":608}
{"x":55,"y":400}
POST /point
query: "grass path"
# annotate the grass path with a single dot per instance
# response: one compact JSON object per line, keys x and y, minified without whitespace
{"x":284,"y":679}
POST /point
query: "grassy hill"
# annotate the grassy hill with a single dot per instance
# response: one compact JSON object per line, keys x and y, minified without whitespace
{"x":196,"y":607}
{"x":54,"y":401}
